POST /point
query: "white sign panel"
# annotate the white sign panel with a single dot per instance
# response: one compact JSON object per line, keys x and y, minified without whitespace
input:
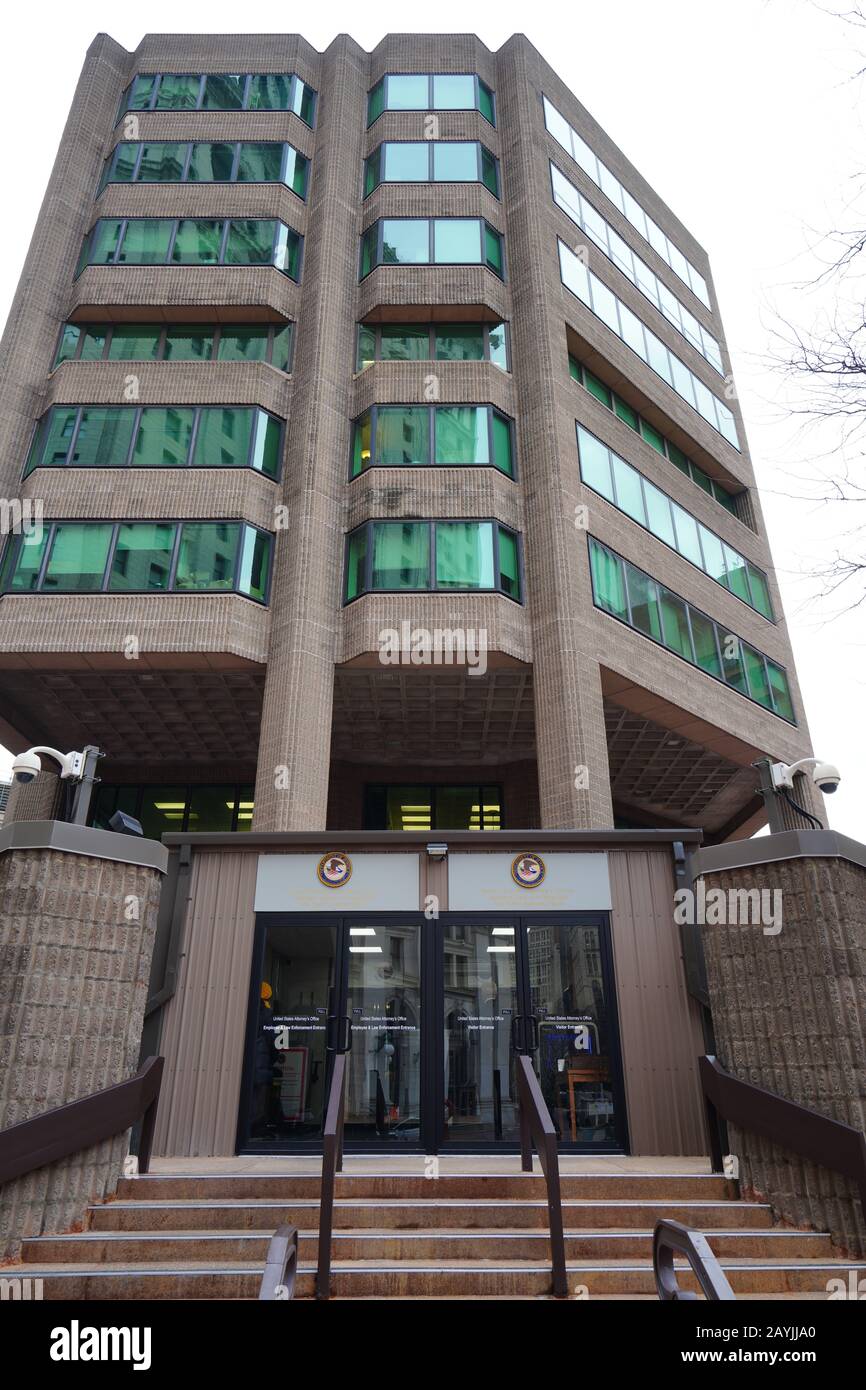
{"x":534,"y":882}
{"x":338,"y":882}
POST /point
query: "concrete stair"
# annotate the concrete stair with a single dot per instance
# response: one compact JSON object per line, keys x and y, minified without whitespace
{"x":402,"y":1236}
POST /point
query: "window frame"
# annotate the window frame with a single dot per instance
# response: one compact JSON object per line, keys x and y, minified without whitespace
{"x":15,"y":542}
{"x":433,"y":328}
{"x":431,"y":146}
{"x":225,"y":224}
{"x":691,"y":608}
{"x":216,"y":331}
{"x":477,"y":81}
{"x":432,"y":522}
{"x":188,"y":145}
{"x":379,"y":263}
{"x":137,"y":410}
{"x":432,"y":410}
{"x":294,"y":82}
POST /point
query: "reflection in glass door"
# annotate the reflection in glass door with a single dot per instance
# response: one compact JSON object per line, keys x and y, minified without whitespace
{"x":575,"y":1044}
{"x":479,"y":963}
{"x":290,"y":1002}
{"x":383,"y":1002}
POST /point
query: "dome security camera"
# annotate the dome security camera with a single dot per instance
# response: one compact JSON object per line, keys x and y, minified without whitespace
{"x":26,"y":767}
{"x":826,"y":777}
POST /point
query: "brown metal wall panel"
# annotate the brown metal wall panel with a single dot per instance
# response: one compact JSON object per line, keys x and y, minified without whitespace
{"x":203,"y":1028}
{"x":659,"y":1023}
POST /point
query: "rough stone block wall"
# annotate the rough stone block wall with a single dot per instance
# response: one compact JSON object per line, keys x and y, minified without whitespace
{"x":789,"y":1012}
{"x":75,"y":951}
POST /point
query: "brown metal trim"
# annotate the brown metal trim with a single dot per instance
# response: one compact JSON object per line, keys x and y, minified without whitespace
{"x":332,"y":1163}
{"x":66,"y":838}
{"x":805,"y":1132}
{"x":672,"y":1238}
{"x":769,"y":849}
{"x":67,"y":1129}
{"x":536,"y":1125}
{"x":418,"y":839}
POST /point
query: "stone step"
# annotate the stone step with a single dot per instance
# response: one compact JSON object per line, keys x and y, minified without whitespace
{"x":114,"y":1247}
{"x":359,"y":1186}
{"x":404,"y":1279}
{"x":462,"y":1213}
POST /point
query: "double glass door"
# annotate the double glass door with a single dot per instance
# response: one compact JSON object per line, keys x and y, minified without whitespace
{"x":433,"y":1016}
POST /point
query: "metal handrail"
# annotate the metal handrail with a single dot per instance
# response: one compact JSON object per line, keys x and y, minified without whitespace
{"x":67,"y":1129}
{"x":332,"y":1163}
{"x":672,"y":1238}
{"x":805,"y":1132}
{"x":536,"y":1125}
{"x":281,"y":1266}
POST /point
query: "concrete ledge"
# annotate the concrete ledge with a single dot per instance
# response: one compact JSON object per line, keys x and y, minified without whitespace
{"x":83,"y":839}
{"x":769,"y":849}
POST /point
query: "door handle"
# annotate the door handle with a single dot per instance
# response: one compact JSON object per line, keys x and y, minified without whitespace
{"x":532,"y":1020}
{"x":517,"y":1038}
{"x":335,"y":1025}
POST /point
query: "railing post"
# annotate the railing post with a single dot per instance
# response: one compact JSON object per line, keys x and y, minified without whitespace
{"x":525,"y":1133}
{"x":148,"y":1124}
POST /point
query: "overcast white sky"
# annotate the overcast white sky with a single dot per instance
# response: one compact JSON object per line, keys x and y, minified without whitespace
{"x":741,"y":115}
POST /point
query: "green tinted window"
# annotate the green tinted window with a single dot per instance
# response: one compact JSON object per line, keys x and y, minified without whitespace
{"x":597,"y":388}
{"x":405,"y":241}
{"x":400,"y":343}
{"x":287,"y":251}
{"x":142,"y":557}
{"x":760,"y":592}
{"x":456,"y":161}
{"x":54,"y":436}
{"x":369,"y":243}
{"x":738,"y":579}
{"x":372,"y":171}
{"x":643,"y":597}
{"x":366,"y":347}
{"x":224,"y":92}
{"x":781,"y":691}
{"x":68,"y":345}
{"x":103,"y":438}
{"x":706,"y":650}
{"x":659,"y":517}
{"x":244,"y":344}
{"x":489,"y":171}
{"x":104,"y":241}
{"x":405,"y":162}
{"x":464,"y":555}
{"x":509,"y":564}
{"x":164,"y":436}
{"x":714,"y":558}
{"x":493,"y":250}
{"x":733,"y":668}
{"x":161,"y":163}
{"x":462,"y":434}
{"x":255,"y":563}
{"x":362,"y":448}
{"x":594,"y":463}
{"x":574,"y":369}
{"x":207,"y":555}
{"x":607,"y":581}
{"x":675,"y":624}
{"x":408,"y":92}
{"x":629,"y":493}
{"x":93,"y":347}
{"x":79,"y":553}
{"x":211,"y":162}
{"x":145,"y":241}
{"x":269,"y":92}
{"x":502,"y":449}
{"x":454,"y":92}
{"x":625,"y":412}
{"x":261,"y":163}
{"x":267,"y":447}
{"x":197,"y":242}
{"x":141,"y":92}
{"x":687,"y":535}
{"x":120,"y":168}
{"x":295,"y":176}
{"x":250,"y":243}
{"x":652,"y":436}
{"x":177,"y":93}
{"x":498,"y":346}
{"x":304,"y":101}
{"x":485,"y":101}
{"x":677,"y":457}
{"x":375,"y":101}
{"x":28,"y":563}
{"x":402,"y":435}
{"x":461,"y":343}
{"x":356,"y":561}
{"x":281,"y":356}
{"x":759,"y":687}
{"x":223,"y":437}
{"x":129,"y":343}
{"x":189,"y":344}
{"x":456,"y":241}
{"x":401,"y":555}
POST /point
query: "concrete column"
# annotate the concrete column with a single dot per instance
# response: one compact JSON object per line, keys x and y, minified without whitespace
{"x":295,"y":742}
{"x":569,"y":716}
{"x":76,"y":935}
{"x":788,"y":1008}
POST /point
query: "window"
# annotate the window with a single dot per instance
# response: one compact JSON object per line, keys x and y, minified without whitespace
{"x":157,"y":437}
{"x":457,"y":556}
{"x":598,"y":298}
{"x":398,"y":436}
{"x":581,"y":212}
{"x":162,"y":808}
{"x":430,"y":92}
{"x":632,"y":596}
{"x":460,"y":342}
{"x":207,"y":162}
{"x":123,"y":342}
{"x":431,"y":161}
{"x":624,"y":202}
{"x":433,"y":241}
{"x":432,"y":807}
{"x":220,"y":92}
{"x":634,"y":494}
{"x":141,"y":557}
{"x":651,"y":436}
{"x":187,"y":241}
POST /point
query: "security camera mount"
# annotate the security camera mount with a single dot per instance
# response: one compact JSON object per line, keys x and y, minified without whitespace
{"x":776,"y":785}
{"x":783,"y":774}
{"x":77,"y":767}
